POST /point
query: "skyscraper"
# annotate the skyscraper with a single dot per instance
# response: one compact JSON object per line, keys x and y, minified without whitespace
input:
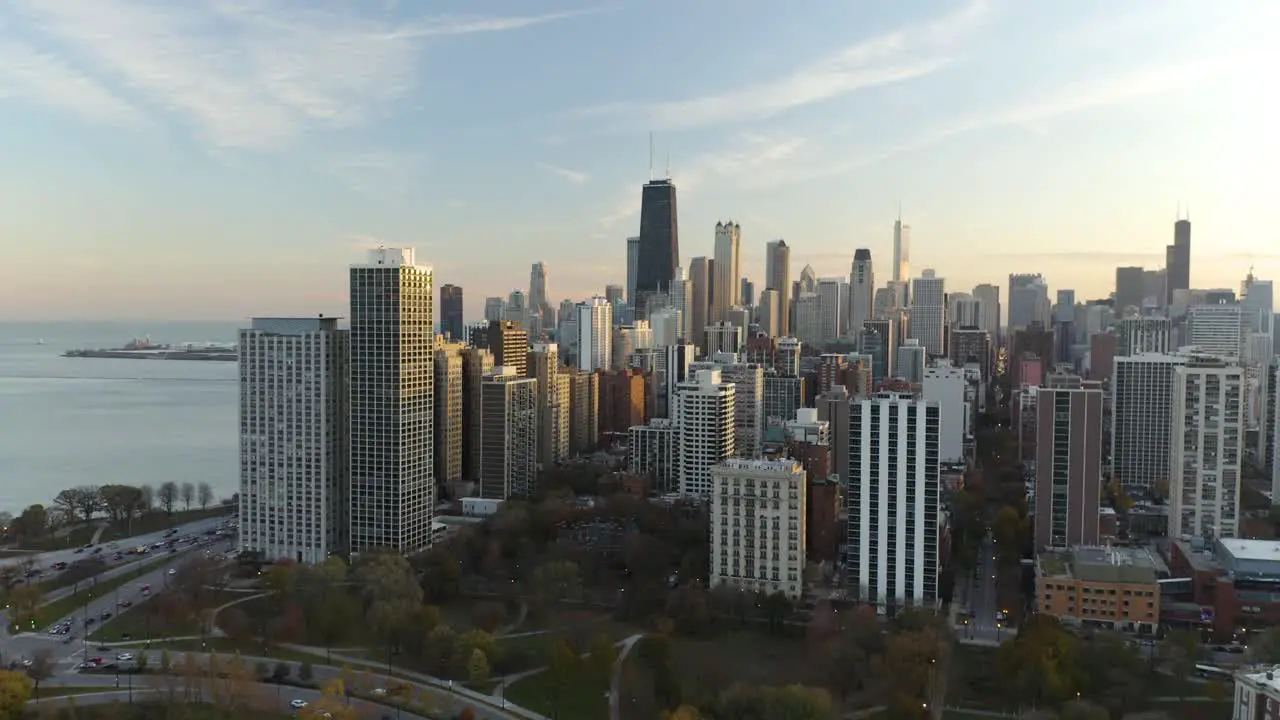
{"x":892,"y":495}
{"x":1142,"y":391}
{"x":928,"y":316}
{"x":989,"y":296}
{"x":633,"y":267}
{"x":391,"y":383}
{"x":1177,"y":260}
{"x":509,"y":434}
{"x":728,"y":281}
{"x":509,"y":344}
{"x":699,"y":304}
{"x":704,"y":415}
{"x":777,"y":276}
{"x":862,"y":289}
{"x":1068,"y":463}
{"x":293,"y":438}
{"x":451,"y":312}
{"x":659,"y":251}
{"x":901,"y":251}
{"x":595,"y":334}
{"x":538,"y":287}
{"x":1206,"y":460}
{"x":1130,"y":289}
{"x":1028,"y":301}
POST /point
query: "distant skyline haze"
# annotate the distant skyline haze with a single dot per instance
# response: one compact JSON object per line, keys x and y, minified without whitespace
{"x":216,"y":160}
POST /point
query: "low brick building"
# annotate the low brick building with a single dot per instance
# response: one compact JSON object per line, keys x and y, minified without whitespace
{"x":1235,"y":585}
{"x":1106,"y":587}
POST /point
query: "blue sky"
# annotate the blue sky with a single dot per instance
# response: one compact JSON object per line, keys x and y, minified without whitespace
{"x":225,"y":158}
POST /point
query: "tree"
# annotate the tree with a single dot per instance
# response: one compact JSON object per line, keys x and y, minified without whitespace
{"x":167,"y":496}
{"x":559,"y":580}
{"x":684,"y":712}
{"x":305,"y":671}
{"x":478,"y":667}
{"x":332,"y":704}
{"x":204,"y":494}
{"x":68,"y":501}
{"x":281,"y":672}
{"x":146,"y":499}
{"x":24,"y":606}
{"x":563,"y":663}
{"x":41,"y":668}
{"x":1182,"y":651}
{"x":33,"y":523}
{"x":1264,"y":648}
{"x":188,"y":494}
{"x":391,"y":593}
{"x":140,"y":661}
{"x":794,"y":702}
{"x":166,"y":662}
{"x":15,"y":690}
{"x":1039,"y":665}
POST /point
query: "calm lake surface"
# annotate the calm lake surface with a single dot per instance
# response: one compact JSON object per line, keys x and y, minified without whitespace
{"x":76,"y":421}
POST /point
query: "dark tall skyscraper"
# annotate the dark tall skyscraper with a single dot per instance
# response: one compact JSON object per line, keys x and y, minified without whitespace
{"x":1177,"y":261}
{"x":451,"y":312}
{"x":659,"y":252}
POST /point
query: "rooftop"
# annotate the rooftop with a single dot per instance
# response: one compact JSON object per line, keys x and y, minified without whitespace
{"x":1101,"y":564}
{"x":1260,"y":550}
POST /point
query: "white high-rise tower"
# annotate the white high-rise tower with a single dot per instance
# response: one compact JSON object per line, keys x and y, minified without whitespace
{"x":901,"y":251}
{"x":728,"y":280}
{"x":392,"y":404}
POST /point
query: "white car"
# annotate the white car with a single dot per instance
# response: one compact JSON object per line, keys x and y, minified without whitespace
{"x":173,"y":571}
{"x":298,"y":704}
{"x":124,"y":656}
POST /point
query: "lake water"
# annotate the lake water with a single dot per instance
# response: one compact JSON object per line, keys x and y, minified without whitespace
{"x":87,"y":421}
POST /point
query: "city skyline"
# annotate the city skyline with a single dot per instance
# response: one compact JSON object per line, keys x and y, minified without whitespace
{"x":261,"y":148}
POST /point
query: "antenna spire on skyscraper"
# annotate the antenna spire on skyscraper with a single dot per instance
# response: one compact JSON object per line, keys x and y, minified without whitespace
{"x":650,"y":156}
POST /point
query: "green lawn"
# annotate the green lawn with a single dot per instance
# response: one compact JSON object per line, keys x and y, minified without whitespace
{"x":153,"y":521}
{"x":583,"y":699}
{"x":145,"y":620}
{"x":52,"y":691}
{"x":64,"y":606}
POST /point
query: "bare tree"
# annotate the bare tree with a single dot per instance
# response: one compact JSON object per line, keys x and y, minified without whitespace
{"x":146,"y":499}
{"x":167,"y":496}
{"x":188,"y":494}
{"x":205,"y":493}
{"x":41,"y":668}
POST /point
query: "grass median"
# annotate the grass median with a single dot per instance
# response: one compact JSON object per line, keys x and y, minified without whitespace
{"x":64,"y":606}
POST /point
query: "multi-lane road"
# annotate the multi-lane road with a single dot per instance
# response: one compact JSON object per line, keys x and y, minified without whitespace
{"x":69,"y":649}
{"x":371,"y":682}
{"x":70,"y":555}
{"x":984,"y":621}
{"x":265,"y":696}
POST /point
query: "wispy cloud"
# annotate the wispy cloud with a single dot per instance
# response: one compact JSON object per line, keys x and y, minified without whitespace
{"x":468,"y":24}
{"x":251,"y":73}
{"x":1031,"y":113}
{"x":893,"y":57}
{"x":373,"y":173}
{"x":42,"y":77}
{"x":576,"y":177}
{"x":746,"y":156}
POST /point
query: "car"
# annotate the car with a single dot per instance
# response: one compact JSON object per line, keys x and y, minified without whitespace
{"x":126,"y":603}
{"x":104,"y":648}
{"x":173,"y":571}
{"x":297,"y":703}
{"x":90,"y":621}
{"x":146,"y":589}
{"x":95,"y":660}
{"x":124,"y":656}
{"x":379,"y":692}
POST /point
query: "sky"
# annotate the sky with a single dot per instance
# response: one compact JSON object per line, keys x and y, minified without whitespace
{"x":221,"y":159}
